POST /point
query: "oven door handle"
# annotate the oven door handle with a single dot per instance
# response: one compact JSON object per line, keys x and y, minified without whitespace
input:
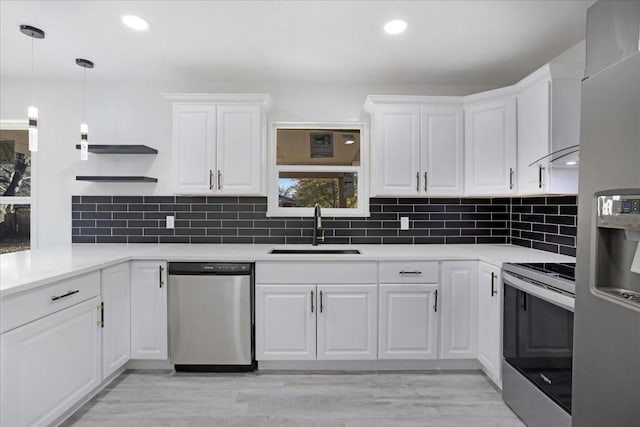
{"x":555,"y":298}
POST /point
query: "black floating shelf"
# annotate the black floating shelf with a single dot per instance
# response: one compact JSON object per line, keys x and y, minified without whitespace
{"x":120,"y":149}
{"x":105,"y":178}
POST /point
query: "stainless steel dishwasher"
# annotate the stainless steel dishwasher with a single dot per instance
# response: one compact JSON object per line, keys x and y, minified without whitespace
{"x":211,"y":325}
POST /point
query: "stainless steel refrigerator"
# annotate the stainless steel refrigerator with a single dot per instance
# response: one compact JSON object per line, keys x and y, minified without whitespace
{"x":606,"y":365}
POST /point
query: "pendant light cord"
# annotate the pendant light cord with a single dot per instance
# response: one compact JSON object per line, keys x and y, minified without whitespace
{"x":33,"y":73}
{"x":84,"y":94}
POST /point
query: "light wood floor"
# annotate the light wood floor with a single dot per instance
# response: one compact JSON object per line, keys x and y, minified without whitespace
{"x":143,"y":398}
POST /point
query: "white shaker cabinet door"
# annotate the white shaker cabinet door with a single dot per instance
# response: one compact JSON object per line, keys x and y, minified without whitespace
{"x":442,"y":172}
{"x":286,"y":322}
{"x":347,"y":322}
{"x":396,"y":140}
{"x":194,"y":142}
{"x":490,"y":147}
{"x":534,"y":113}
{"x":459,"y":302}
{"x":49,"y":365}
{"x":490,"y":320}
{"x":116,"y":329}
{"x":239,"y":149}
{"x":408,"y":320}
{"x":149,"y":327}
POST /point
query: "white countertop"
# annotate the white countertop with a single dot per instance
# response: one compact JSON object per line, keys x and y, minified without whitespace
{"x":25,"y":270}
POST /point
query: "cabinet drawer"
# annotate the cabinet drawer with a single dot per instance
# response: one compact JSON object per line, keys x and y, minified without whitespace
{"x":410,"y":272}
{"x":316,"y":272}
{"x":25,"y":307}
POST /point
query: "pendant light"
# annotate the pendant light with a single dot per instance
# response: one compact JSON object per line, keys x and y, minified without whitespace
{"x":84,"y":128}
{"x":32,"y":111}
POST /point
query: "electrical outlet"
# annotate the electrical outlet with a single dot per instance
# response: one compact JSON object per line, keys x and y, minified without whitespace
{"x":404,"y":223}
{"x":171,"y":221}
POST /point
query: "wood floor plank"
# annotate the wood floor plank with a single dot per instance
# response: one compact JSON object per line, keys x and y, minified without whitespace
{"x":157,"y":398}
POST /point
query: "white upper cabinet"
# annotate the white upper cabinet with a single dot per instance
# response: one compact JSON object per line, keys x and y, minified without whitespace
{"x":418,"y":148}
{"x":548,"y":121}
{"x":490,"y":147}
{"x":396,"y":134}
{"x":442,"y":151}
{"x":238,"y":149}
{"x":218,"y":144}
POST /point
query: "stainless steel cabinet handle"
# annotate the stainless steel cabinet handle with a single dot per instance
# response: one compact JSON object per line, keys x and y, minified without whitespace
{"x":410,"y":272}
{"x":510,"y":178}
{"x":312,"y":301}
{"x":68,"y":294}
{"x":210,"y":179}
{"x":160,"y":270}
{"x":321,"y":306}
{"x":540,"y":175}
{"x":219,"y":180}
{"x":417,"y":182}
{"x":101,"y":308}
{"x":435,"y":306}
{"x":493,"y":287}
{"x":425,"y":181}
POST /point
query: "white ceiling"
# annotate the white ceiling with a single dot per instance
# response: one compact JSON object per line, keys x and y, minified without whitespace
{"x":447,"y":42}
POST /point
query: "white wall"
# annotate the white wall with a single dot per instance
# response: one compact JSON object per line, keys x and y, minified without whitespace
{"x":136,"y":113}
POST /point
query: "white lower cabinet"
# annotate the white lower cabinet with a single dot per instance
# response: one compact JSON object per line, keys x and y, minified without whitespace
{"x":408,"y":321}
{"x":149,"y":327}
{"x":50,"y":364}
{"x":459,"y":313}
{"x":490,"y":320}
{"x":116,"y":317}
{"x":286,"y":322}
{"x":347,"y":317}
{"x":309,"y":322}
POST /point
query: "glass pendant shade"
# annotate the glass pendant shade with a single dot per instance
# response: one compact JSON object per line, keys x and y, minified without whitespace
{"x":32,"y":113}
{"x":84,"y":141}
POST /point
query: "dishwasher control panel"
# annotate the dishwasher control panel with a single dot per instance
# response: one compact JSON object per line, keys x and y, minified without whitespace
{"x":189,"y":268}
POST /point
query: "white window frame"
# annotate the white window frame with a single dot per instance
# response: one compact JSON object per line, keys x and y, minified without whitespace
{"x":23,"y":124}
{"x":362,"y":171}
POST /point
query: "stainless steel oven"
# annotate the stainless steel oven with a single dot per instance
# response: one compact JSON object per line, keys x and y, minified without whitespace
{"x":538,"y":342}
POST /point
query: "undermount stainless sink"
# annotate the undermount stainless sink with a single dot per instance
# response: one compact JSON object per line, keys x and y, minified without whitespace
{"x":315,"y":251}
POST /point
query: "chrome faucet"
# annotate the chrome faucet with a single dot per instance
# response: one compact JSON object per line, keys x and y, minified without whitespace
{"x":317,"y":225}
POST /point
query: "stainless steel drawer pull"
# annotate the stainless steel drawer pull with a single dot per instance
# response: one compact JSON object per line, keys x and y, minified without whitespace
{"x":160,"y":270}
{"x":510,"y":178}
{"x":68,"y":294}
{"x":219,"y":180}
{"x":410,"y":272}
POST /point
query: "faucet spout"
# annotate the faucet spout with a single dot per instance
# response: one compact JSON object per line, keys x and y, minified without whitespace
{"x":317,"y":225}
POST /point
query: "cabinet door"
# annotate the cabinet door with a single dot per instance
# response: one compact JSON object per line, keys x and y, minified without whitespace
{"x":490,"y":148}
{"x":347,"y":327}
{"x":49,"y":365}
{"x":149,"y":310}
{"x":459,"y":302}
{"x":490,"y":320}
{"x":194,"y":139}
{"x":408,"y":321}
{"x":533,"y":137}
{"x":286,"y":322}
{"x":396,"y":139}
{"x":442,"y":151}
{"x":239,"y":149}
{"x":116,"y":329}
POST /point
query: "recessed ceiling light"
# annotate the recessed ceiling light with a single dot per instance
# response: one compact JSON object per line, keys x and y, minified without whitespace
{"x":135,"y":22}
{"x":395,"y":26}
{"x":571,"y":163}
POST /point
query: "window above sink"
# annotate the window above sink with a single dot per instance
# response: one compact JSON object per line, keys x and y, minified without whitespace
{"x":323,"y":163}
